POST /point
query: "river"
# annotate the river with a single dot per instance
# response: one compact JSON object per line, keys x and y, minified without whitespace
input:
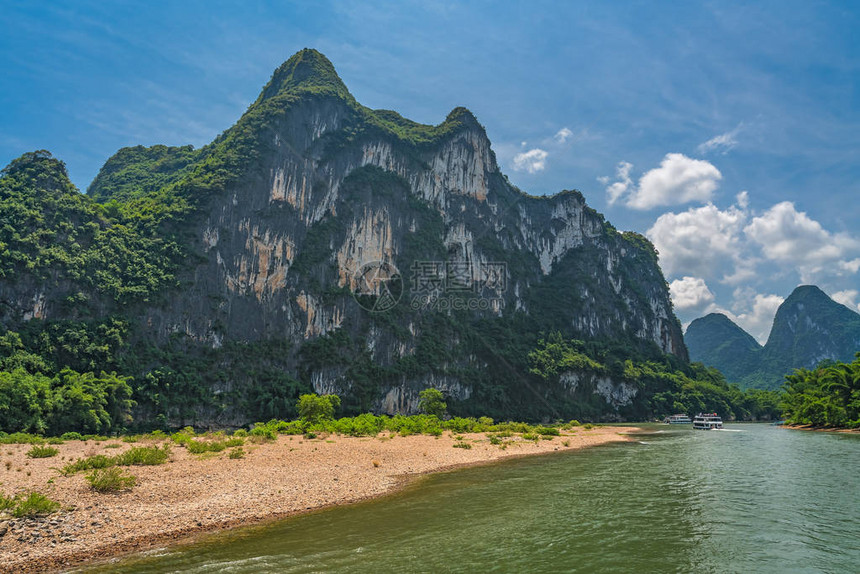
{"x":751,"y":498}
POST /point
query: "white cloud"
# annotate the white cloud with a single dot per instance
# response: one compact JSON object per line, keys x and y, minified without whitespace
{"x":531,"y":161}
{"x":678,"y":180}
{"x":722,"y":143}
{"x":758,"y":320}
{"x":850,"y":266}
{"x":735,"y":248}
{"x":847,"y":298}
{"x":743,"y":199}
{"x":620,"y":187}
{"x":563,"y":135}
{"x":704,"y":241}
{"x":791,"y":237}
{"x":690,"y":294}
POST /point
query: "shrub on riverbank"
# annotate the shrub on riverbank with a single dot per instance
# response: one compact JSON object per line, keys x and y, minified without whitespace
{"x":827,"y":396}
{"x":110,"y":479}
{"x":315,"y":423}
{"x":29,"y":505}
{"x":136,"y":456}
{"x":39,"y":451}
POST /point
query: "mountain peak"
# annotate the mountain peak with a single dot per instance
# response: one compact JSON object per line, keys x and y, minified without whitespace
{"x":307,"y":70}
{"x":807,"y":293}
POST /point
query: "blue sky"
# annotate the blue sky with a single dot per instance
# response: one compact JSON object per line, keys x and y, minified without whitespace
{"x":728,"y":132}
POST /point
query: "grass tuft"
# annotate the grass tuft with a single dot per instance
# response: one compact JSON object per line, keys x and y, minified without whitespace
{"x":42,"y":451}
{"x":110,"y":479}
{"x":34,"y":504}
{"x":237,"y":453}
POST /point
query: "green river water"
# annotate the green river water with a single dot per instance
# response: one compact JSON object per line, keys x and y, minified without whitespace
{"x":752,"y":498}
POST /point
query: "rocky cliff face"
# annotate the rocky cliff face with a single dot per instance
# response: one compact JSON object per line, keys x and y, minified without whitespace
{"x":809,"y":327}
{"x":391,"y":256}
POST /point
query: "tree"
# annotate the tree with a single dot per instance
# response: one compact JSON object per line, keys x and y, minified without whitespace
{"x":314,"y":408}
{"x":432,"y":402}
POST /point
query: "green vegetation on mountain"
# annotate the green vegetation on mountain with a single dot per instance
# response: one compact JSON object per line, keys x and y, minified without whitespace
{"x":136,"y":171}
{"x":809,"y":327}
{"x":667,"y":387}
{"x":715,"y":340}
{"x":52,"y":234}
{"x":827,"y":396}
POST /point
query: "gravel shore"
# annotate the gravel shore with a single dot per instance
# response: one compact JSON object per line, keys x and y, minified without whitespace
{"x":198,"y":493}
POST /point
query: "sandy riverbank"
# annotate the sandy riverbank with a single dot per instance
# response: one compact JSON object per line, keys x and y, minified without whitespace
{"x":199,"y":493}
{"x":821,"y":429}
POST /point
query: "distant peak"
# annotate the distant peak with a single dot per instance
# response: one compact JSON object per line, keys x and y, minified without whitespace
{"x":307,"y":70}
{"x":804,"y":291}
{"x":464,"y":118}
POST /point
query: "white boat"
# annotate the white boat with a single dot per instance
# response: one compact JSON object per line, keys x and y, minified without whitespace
{"x":677,"y":420}
{"x":707,"y":421}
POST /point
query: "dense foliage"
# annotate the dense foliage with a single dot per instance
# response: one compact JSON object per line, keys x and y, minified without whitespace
{"x":667,"y":387}
{"x":56,"y":235}
{"x":69,"y":401}
{"x":827,"y":396}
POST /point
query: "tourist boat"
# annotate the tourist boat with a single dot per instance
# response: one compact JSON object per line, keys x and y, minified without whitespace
{"x":677,"y":420}
{"x":707,"y":421}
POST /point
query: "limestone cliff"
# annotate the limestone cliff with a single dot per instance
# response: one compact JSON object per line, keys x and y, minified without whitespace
{"x":390,"y":256}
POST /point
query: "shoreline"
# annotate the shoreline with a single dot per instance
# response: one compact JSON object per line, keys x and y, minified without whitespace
{"x":822,"y":429}
{"x":195,"y":495}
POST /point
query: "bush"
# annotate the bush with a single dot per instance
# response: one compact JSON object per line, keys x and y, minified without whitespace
{"x":21,"y":438}
{"x":462,"y":444}
{"x":71,"y":436}
{"x":240,"y":433}
{"x":237,"y":453}
{"x":432,"y":402}
{"x":110,"y":479}
{"x":199,"y":446}
{"x":547,"y":431}
{"x":262,"y":431}
{"x":95,"y":437}
{"x":315,"y":408}
{"x":89,"y":463}
{"x":143,"y":456}
{"x":236,"y":441}
{"x":588,"y":426}
{"x":34,"y":504}
{"x":182,"y":437}
{"x":42,"y":451}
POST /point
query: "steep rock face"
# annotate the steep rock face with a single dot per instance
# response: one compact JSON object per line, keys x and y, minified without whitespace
{"x":324,"y":191}
{"x":809,"y":327}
